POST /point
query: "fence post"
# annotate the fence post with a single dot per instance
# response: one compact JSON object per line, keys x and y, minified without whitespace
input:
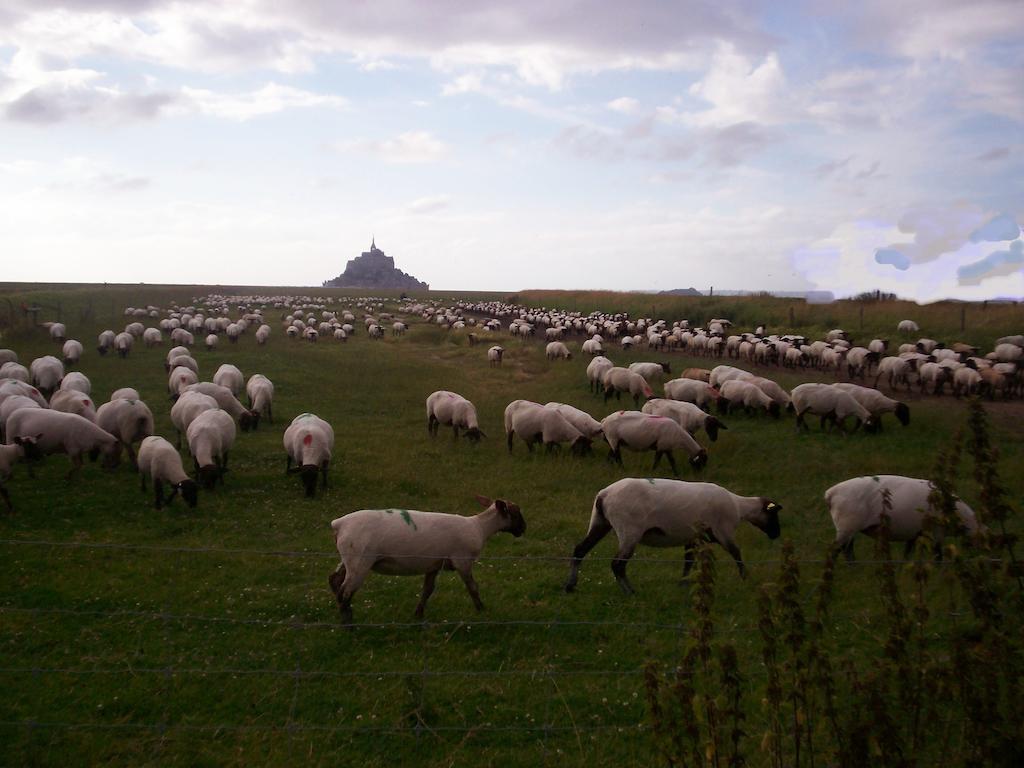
{"x":792,"y":322}
{"x":963,"y":316}
{"x":862,"y":317}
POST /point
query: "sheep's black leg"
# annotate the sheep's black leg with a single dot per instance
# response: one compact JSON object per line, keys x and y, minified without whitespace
{"x":158,"y":487}
{"x":657,"y":459}
{"x":597,"y":532}
{"x":76,"y":467}
{"x":733,"y":550}
{"x":143,"y":476}
{"x":687,"y":559}
{"x":270,"y":413}
{"x":288,"y":465}
{"x":131,"y":455}
{"x":508,"y":438}
{"x":428,"y":590}
{"x":848,"y":550}
{"x":7,"y":499}
{"x":619,"y":569}
{"x":474,"y":592}
{"x":323,"y":475}
{"x":672,"y":463}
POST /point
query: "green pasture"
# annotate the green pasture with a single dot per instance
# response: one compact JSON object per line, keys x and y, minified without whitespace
{"x":131,"y":636}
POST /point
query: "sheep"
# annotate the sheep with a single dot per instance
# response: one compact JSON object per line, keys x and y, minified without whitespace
{"x":229,"y":376}
{"x":151,"y":337}
{"x":8,"y":356}
{"x":907,"y":326}
{"x":77,"y":381}
{"x":771,"y":388}
{"x":596,"y":370}
{"x":211,"y":342}
{"x":47,"y":373}
{"x":135,"y":329}
{"x":173,"y":354}
{"x":262,"y":334}
{"x":451,"y":409}
{"x":73,"y":401}
{"x":927,"y":346}
{"x":691,"y":391}
{"x":643,"y":432}
{"x":592,"y":347}
{"x":895,"y":369}
{"x":670,"y":513}
{"x":582,"y":420}
{"x":12,"y":387}
{"x":993,"y":381}
{"x":11,"y":404}
{"x":856,"y":506}
{"x":247,"y":419}
{"x":160,"y":461}
{"x":556,"y":350}
{"x":966,"y":381}
{"x":309,"y":441}
{"x":183,"y":337}
{"x":749,"y":395}
{"x":72,"y":352}
{"x":180,"y":379}
{"x":58,"y":332}
{"x":13,"y":370}
{"x":210,"y":436}
{"x":723,"y":373}
{"x":48,"y":431}
{"x":859,"y":361}
{"x":831,"y":404}
{"x":406,"y":542}
{"x":260,"y":391}
{"x":187,"y":408}
{"x":233,"y":331}
{"x":105,"y":342}
{"x":185,"y":361}
{"x":1009,"y":353}
{"x":877,"y":403}
{"x":494,"y":355}
{"x":687,"y":415}
{"x":125,"y":393}
{"x":698,"y":374}
{"x":652,"y":372}
{"x":9,"y":454}
{"x":123,"y":343}
{"x":534,"y":423}
{"x":398,"y":328}
{"x":934,"y":374}
{"x":618,"y":380}
{"x":130,"y":421}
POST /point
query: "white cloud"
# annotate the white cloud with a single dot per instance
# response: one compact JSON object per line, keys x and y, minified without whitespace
{"x":271,"y":98}
{"x":740,"y":91}
{"x":406,"y":148}
{"x":432,"y":204}
{"x":625,"y":105}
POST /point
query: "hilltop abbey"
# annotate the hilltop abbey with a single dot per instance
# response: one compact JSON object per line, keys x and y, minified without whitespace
{"x":374,"y":269}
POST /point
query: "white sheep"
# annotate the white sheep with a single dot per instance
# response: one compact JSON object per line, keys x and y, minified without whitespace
{"x":47,"y":373}
{"x":8,"y":356}
{"x":105,"y":342}
{"x":691,"y":391}
{"x":229,"y":376}
{"x":494,"y":355}
{"x":125,"y":393}
{"x":13,"y":403}
{"x":9,"y":455}
{"x":534,"y":423}
{"x":966,"y":381}
{"x":187,"y":408}
{"x":246,"y":418}
{"x":749,"y":395}
{"x":582,"y":420}
{"x":309,"y":441}
{"x":159,"y":461}
{"x":72,"y":352}
{"x":77,"y":381}
{"x":907,"y":326}
{"x":262,"y":334}
{"x":58,"y":332}
{"x":617,"y":380}
{"x":896,"y":370}
{"x":592,"y":347}
{"x":123,"y":343}
{"x":856,"y":506}
{"x":407,"y":542}
{"x":210,"y":437}
{"x":43,"y":431}
{"x":652,"y":372}
{"x":73,"y":401}
{"x":451,"y":409}
{"x":130,"y":421}
{"x":151,"y":337}
{"x":596,"y":370}
{"x":686,"y":415}
{"x":211,"y":341}
{"x":179,"y":380}
{"x":556,"y":350}
{"x":642,"y":432}
{"x":934,"y":374}
{"x":670,"y":513}
{"x":260,"y":391}
{"x":877,"y":403}
{"x":12,"y":387}
{"x":13,"y":370}
{"x":831,"y":404}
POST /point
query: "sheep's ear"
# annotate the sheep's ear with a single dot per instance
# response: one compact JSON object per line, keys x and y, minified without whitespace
{"x":483,"y":501}
{"x":502,"y":507}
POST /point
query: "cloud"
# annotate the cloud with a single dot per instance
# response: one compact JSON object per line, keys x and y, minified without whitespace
{"x":825,"y":170}
{"x":271,"y":98}
{"x":996,"y":264}
{"x":55,"y":104}
{"x":411,"y":147}
{"x":115,"y":182}
{"x":997,"y":229}
{"x":624,"y":105}
{"x":427,"y":205}
{"x":733,"y":144}
{"x":892,"y":257}
{"x":996,"y":153}
{"x":741,"y":91}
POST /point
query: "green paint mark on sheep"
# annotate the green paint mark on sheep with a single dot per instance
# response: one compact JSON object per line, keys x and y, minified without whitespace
{"x":408,"y":518}
{"x":650,"y":480}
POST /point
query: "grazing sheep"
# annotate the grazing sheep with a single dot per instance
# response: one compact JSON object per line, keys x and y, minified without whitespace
{"x":47,"y":373}
{"x":592,"y":347}
{"x":494,"y":355}
{"x":210,"y":436}
{"x":877,"y":403}
{"x":11,"y":404}
{"x":698,"y":374}
{"x":966,"y":381}
{"x":151,"y":337}
{"x":187,"y":408}
{"x":618,"y":380}
{"x":58,"y":332}
{"x":596,"y":370}
{"x":831,"y":404}
{"x":934,"y":374}
{"x":686,"y":415}
{"x":263,"y":333}
{"x":859,"y":361}
{"x":179,"y":380}
{"x":123,"y":343}
{"x":260,"y":391}
{"x":907,"y":326}
{"x":309,"y":441}
{"x":1009,"y":353}
{"x":105,"y":342}
{"x":896,"y":370}
{"x":407,"y":542}
{"x":723,"y":373}
{"x":72,"y":352}
{"x":8,"y":356}
{"x":652,"y":372}
{"x":451,"y":409}
{"x":993,"y":381}
{"x":643,"y":432}
{"x":229,"y":376}
{"x":13,"y":370}
{"x":556,"y":350}
{"x":670,"y":513}
{"x":77,"y":381}
{"x":247,"y":419}
{"x":535,"y":423}
{"x":173,"y":354}
{"x":582,"y":420}
{"x":125,"y":393}
{"x":130,"y":421}
{"x":9,"y":454}
{"x":185,"y":361}
{"x":691,"y":391}
{"x":211,"y":342}
{"x":160,"y":461}
{"x":771,"y":388}
{"x":856,"y":507}
{"x":48,"y":431}
{"x":73,"y":401}
{"x":12,"y":387}
{"x":747,"y":394}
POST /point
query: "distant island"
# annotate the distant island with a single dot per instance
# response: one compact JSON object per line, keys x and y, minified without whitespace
{"x":683,"y":292}
{"x":374,"y":269}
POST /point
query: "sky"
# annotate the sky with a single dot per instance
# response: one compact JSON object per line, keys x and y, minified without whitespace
{"x":490,"y":145}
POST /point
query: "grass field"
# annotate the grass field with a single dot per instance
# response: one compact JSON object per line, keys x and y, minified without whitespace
{"x":209,"y":637}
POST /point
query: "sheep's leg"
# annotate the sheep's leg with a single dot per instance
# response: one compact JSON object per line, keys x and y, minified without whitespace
{"x":288,"y":465}
{"x":734,"y":550}
{"x":351,"y":583}
{"x":143,"y":476}
{"x":179,"y":439}
{"x":619,"y":568}
{"x":455,"y":432}
{"x":323,"y":475}
{"x":657,"y":459}
{"x":7,"y":499}
{"x":270,"y":413}
{"x":76,"y":467}
{"x":508,"y":438}
{"x":158,"y":487}
{"x":687,"y":559}
{"x":597,"y":532}
{"x":470,"y":582}
{"x":672,"y":463}
{"x":428,"y":590}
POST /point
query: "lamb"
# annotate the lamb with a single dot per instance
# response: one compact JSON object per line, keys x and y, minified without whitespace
{"x":451,"y":409}
{"x":125,"y":393}
{"x":77,"y":381}
{"x":494,"y":355}
{"x":73,"y":401}
{"x":308,"y":442}
{"x":260,"y":391}
{"x":246,"y":419}
{"x":180,"y":379}
{"x":49,"y":431}
{"x":72,"y":352}
{"x":831,"y":404}
{"x":187,"y":408}
{"x":556,"y":350}
{"x":652,"y":372}
{"x":534,"y":423}
{"x":856,"y":507}
{"x":13,"y":370}
{"x":229,"y":376}
{"x":643,"y":432}
{"x":877,"y":403}
{"x":691,"y":391}
{"x":748,"y":395}
{"x":210,"y":436}
{"x":618,"y":380}
{"x":687,"y":415}
{"x":9,"y":454}
{"x":406,"y":542}
{"x":105,"y":342}
{"x":670,"y":513}
{"x":596,"y":370}
{"x":582,"y":420}
{"x":160,"y":461}
{"x":47,"y":373}
{"x":130,"y":421}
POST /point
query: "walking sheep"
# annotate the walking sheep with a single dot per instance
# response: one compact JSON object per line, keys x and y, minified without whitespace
{"x":260,"y":391}
{"x":494,"y":355}
{"x":831,"y":404}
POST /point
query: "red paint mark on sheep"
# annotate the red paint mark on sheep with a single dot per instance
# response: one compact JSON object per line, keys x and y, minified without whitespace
{"x":307,"y":440}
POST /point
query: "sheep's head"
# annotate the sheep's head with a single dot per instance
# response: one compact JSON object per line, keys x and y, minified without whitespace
{"x":711,"y":426}
{"x":29,"y":445}
{"x":515,"y":523}
{"x":473,"y":434}
{"x":111,"y":455}
{"x":209,"y":475}
{"x":723,"y":404}
{"x":903,"y":413}
{"x":699,"y":460}
{"x":189,"y":492}
{"x":308,"y":473}
{"x":768,"y":520}
{"x":249,"y":420}
{"x":774,"y":409}
{"x":665,"y":367}
{"x":581,"y":446}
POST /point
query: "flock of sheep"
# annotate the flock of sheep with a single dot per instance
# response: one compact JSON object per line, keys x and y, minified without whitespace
{"x":44,"y":409}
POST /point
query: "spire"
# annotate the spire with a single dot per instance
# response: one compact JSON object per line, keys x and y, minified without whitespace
{"x":373,"y":243}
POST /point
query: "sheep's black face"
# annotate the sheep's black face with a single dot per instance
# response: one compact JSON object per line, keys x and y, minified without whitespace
{"x":189,"y":492}
{"x":699,"y":461}
{"x":711,"y":426}
{"x":515,"y":522}
{"x":770,"y":512}
{"x":665,"y":367}
{"x":30,"y":446}
{"x":112,"y":457}
{"x":308,"y":475}
{"x":473,"y":434}
{"x":903,"y":413}
{"x":581,"y":446}
{"x":774,"y":410}
{"x":723,"y":404}
{"x":208,"y":476}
